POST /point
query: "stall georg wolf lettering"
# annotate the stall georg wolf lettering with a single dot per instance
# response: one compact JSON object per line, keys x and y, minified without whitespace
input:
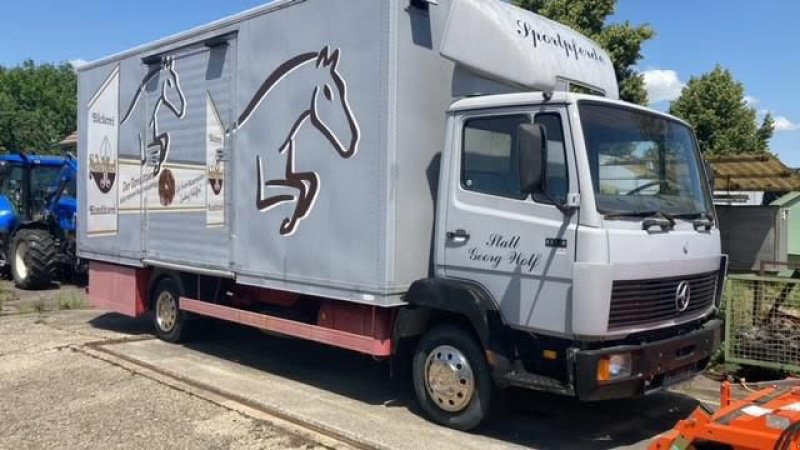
{"x":177,"y":187}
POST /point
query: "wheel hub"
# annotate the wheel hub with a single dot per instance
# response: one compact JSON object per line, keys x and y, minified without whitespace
{"x":19,"y":260}
{"x":166,"y":311}
{"x":449,"y":378}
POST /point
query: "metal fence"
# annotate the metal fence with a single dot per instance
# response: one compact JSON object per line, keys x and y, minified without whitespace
{"x":762,"y":321}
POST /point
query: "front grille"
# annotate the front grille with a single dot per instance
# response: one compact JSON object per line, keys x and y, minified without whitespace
{"x":638,"y":302}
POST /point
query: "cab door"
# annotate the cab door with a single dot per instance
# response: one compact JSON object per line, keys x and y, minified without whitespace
{"x":519,"y":248}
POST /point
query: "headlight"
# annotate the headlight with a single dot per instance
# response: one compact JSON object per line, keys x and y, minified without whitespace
{"x":615,"y":366}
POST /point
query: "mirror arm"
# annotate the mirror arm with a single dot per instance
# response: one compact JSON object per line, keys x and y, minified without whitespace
{"x":566,"y":210}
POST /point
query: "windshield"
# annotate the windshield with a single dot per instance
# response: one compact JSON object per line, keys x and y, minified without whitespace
{"x":642,"y":163}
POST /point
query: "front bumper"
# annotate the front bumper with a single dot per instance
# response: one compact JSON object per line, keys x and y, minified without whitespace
{"x":655,"y":364}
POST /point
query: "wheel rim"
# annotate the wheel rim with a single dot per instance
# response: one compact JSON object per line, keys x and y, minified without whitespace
{"x":166,"y":311}
{"x":449,"y":378}
{"x":19,"y":260}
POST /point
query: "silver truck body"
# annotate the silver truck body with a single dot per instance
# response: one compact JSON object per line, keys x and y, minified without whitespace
{"x":298,"y":147}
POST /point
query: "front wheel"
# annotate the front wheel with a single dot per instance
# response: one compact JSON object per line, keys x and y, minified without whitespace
{"x":451,"y":378}
{"x":33,"y":259}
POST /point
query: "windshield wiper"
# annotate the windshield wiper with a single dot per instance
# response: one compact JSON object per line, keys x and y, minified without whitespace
{"x":703,"y":220}
{"x":652,"y":218}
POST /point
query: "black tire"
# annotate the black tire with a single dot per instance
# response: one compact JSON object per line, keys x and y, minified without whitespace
{"x":169,"y":321}
{"x":477,"y":409}
{"x":32,"y":258}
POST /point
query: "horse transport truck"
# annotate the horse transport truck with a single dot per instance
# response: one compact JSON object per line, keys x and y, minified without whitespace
{"x":452,"y":186}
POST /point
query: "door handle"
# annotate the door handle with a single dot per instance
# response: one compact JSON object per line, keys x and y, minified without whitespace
{"x":458,"y":236}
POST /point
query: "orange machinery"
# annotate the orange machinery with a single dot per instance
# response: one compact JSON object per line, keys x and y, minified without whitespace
{"x":768,"y":419}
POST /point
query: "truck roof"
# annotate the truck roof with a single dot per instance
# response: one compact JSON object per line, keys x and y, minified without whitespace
{"x":177,"y":39}
{"x":503,"y":42}
{"x":533,"y":98}
{"x":44,"y":160}
{"x":491,"y":37}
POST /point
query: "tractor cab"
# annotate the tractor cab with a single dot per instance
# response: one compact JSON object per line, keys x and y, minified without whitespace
{"x":37,"y":216}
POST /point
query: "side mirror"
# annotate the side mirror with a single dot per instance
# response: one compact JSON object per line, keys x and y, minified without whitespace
{"x":531,"y":157}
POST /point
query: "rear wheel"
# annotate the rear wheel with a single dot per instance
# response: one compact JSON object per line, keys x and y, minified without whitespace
{"x":451,"y":378}
{"x":33,"y":259}
{"x":170,"y":322}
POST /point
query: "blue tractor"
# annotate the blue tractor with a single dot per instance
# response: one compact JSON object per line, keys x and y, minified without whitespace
{"x":37,"y":219}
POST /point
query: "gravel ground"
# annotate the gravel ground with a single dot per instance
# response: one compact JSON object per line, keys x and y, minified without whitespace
{"x":54,"y":397}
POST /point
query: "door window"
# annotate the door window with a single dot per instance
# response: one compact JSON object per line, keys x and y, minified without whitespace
{"x":11,"y":186}
{"x":43,"y":184}
{"x":490,"y":156}
{"x":557,"y":181}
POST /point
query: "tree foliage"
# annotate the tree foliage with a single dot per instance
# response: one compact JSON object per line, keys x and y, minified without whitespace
{"x":37,"y":106}
{"x":714,"y":104}
{"x":623,"y":41}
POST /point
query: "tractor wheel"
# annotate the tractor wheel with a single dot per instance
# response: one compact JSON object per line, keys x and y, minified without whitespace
{"x":33,"y":259}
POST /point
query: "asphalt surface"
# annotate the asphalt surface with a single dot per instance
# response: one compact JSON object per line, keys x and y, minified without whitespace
{"x":86,"y":379}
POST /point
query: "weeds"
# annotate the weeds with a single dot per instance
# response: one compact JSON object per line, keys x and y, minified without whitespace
{"x":39,"y":305}
{"x":6,"y":296}
{"x":71,"y":300}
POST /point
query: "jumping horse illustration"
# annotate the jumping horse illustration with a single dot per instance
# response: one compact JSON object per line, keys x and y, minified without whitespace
{"x":156,"y":151}
{"x":329,"y":90}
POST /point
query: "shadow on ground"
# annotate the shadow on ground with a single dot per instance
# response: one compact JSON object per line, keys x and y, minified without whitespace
{"x":122,"y":324}
{"x":529,"y":419}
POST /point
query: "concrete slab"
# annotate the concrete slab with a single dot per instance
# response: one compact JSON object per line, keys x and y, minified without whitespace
{"x":54,"y":397}
{"x":355,"y":397}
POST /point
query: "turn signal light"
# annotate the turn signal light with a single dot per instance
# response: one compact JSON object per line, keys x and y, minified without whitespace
{"x":616,"y":366}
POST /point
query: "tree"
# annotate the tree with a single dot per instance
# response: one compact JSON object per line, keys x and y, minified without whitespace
{"x":37,"y":106}
{"x":714,"y":104}
{"x":765,"y":132}
{"x":623,"y":42}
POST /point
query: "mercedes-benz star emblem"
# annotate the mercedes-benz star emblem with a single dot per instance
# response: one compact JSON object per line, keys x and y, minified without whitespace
{"x":682,"y":296}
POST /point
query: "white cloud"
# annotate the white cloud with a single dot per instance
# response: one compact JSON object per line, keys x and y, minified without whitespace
{"x":77,"y":63}
{"x":662,"y":85}
{"x":783,"y":123}
{"x":750,"y":100}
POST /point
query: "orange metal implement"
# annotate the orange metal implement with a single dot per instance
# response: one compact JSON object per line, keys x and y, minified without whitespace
{"x":768,"y":419}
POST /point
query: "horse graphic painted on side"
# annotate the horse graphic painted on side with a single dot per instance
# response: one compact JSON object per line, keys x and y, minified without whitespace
{"x":326,"y":97}
{"x":155,"y":152}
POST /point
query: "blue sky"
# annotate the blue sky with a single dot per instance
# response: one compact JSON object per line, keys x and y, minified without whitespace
{"x":755,"y":40}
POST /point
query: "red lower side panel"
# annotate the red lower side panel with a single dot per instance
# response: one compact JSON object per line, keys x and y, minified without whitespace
{"x":379,"y":344}
{"x":357,"y":319}
{"x":118,"y":288}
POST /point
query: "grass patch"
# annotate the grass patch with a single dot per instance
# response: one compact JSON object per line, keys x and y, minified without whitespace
{"x":39,"y":305}
{"x":68,"y":301}
{"x":6,"y":296}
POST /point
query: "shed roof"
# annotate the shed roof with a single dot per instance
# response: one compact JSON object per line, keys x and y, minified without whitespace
{"x":70,"y":140}
{"x":753,"y":173}
{"x":786,"y":199}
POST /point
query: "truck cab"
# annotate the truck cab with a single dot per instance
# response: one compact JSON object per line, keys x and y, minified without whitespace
{"x":589,"y":224}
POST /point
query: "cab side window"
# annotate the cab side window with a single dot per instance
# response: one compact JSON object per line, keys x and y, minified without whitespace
{"x":11,"y":186}
{"x":557,"y":181}
{"x":489,"y":159}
